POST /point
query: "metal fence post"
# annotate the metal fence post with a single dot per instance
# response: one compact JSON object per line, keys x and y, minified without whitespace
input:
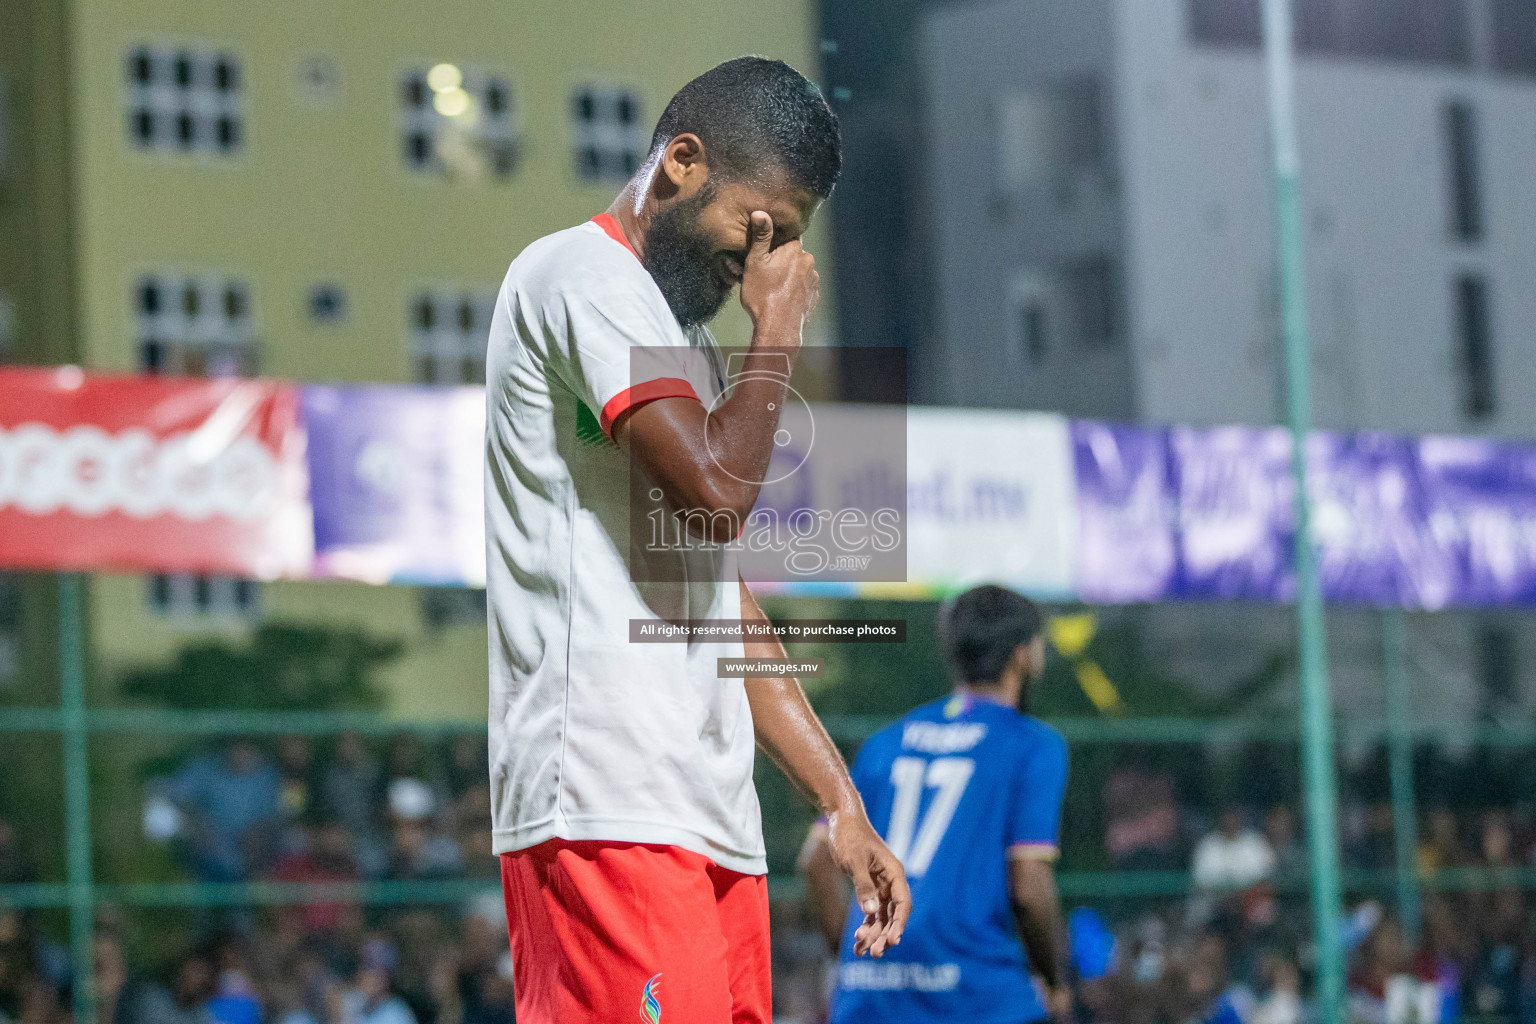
{"x":1405,"y":827}
{"x":1316,"y":696}
{"x":77,"y":798}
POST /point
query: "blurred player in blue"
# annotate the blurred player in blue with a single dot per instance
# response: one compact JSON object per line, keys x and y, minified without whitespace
{"x":967,"y":792}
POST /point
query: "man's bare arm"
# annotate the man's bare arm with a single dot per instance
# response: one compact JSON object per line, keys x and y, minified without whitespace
{"x":789,"y":732}
{"x":1037,"y":909}
{"x":714,"y":461}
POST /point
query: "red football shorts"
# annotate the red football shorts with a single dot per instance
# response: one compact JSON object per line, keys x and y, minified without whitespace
{"x":613,"y":933}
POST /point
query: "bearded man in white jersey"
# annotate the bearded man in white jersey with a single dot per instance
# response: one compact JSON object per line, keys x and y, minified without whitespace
{"x":623,"y":805}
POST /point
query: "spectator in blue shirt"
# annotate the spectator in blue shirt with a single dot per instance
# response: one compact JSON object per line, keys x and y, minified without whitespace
{"x":230,"y":803}
{"x":372,"y":999}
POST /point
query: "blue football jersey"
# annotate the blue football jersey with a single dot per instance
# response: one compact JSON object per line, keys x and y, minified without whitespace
{"x":956,"y":788}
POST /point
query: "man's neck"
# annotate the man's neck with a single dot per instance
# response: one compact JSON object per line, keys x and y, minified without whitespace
{"x":994,"y":694}
{"x":629,"y":209}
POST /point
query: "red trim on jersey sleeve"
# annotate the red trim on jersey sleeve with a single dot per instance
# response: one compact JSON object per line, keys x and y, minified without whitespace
{"x":649,"y":391}
{"x":612,"y":230}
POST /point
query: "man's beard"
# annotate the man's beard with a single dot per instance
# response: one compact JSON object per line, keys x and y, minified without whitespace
{"x":681,"y":260}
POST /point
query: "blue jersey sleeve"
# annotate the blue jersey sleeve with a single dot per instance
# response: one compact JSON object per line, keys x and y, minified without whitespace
{"x":1034,"y":825}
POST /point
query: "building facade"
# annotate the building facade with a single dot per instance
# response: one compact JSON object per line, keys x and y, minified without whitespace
{"x":1100,"y":242}
{"x":322,"y":192}
{"x":1107,"y":246}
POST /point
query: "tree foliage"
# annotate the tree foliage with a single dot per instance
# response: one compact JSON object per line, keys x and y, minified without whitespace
{"x":284,"y":667}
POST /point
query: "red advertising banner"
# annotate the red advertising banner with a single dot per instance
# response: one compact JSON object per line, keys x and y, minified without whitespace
{"x":158,"y":473}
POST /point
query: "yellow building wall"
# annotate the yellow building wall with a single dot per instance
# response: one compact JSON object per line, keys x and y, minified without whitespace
{"x":440,"y":674}
{"x":35,"y":234}
{"x":322,"y":194}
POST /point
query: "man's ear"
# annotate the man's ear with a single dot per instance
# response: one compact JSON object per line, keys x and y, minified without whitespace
{"x":682,"y":166}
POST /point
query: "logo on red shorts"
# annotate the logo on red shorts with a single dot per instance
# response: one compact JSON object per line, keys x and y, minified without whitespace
{"x":650,"y":1001}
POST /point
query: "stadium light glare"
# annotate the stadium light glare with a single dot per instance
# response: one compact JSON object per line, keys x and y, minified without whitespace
{"x":445,"y":78}
{"x":451,"y":102}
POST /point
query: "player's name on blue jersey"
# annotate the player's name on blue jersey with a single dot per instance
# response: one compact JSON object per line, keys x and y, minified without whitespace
{"x":941,"y":737}
{"x":890,"y":976}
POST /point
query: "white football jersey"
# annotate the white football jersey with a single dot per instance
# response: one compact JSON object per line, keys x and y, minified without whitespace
{"x":593,"y":736}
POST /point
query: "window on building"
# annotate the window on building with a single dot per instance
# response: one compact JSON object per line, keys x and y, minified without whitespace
{"x":317,"y":79}
{"x":327,"y":304}
{"x":195,"y":325}
{"x":458,"y":122}
{"x":1032,"y":331}
{"x":1090,"y":291}
{"x":452,"y":606}
{"x":1315,"y":23}
{"x":1225,"y":22}
{"x":1047,"y":133}
{"x":184,"y":595}
{"x":448,"y":330}
{"x":611,"y":136}
{"x":1474,"y":337}
{"x":1032,"y":315}
{"x":185,"y":100}
{"x":1514,"y":36}
{"x":1463,"y":172}
{"x":1423,"y":31}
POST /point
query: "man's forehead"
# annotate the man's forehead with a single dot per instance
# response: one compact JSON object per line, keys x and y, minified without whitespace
{"x":788,"y":205}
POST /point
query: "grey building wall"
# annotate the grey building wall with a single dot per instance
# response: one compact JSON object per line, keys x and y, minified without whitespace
{"x":996,"y":238}
{"x":1382,"y":259}
{"x":1181,"y":205}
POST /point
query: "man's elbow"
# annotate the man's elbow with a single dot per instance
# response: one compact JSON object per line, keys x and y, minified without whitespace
{"x":715,"y":510}
{"x":723,"y":493}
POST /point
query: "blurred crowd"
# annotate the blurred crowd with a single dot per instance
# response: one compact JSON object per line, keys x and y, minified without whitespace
{"x":342,"y":810}
{"x":329,"y":811}
{"x":1149,"y":825}
{"x":404,"y":966}
{"x":1238,"y":950}
{"x":1235,"y":950}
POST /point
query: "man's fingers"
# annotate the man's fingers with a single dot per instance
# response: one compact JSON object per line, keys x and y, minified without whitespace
{"x":862,"y":936}
{"x":865,"y":891}
{"x":762,"y":235}
{"x":901,"y":908}
{"x":867,"y":894}
{"x":895,"y":902}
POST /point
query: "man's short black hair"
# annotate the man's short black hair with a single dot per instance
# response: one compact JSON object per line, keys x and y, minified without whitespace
{"x":754,"y":114}
{"x":981,"y":629}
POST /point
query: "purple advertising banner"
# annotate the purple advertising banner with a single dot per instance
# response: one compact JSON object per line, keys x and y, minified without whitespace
{"x":395,"y":478}
{"x":1127,"y":548}
{"x":1232,"y":490}
{"x":1237,"y":516}
{"x":1480,"y":518}
{"x":1208,"y":514}
{"x":1368,"y":519}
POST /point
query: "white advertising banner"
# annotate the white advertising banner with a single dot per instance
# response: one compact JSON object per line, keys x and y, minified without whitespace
{"x":990,"y":497}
